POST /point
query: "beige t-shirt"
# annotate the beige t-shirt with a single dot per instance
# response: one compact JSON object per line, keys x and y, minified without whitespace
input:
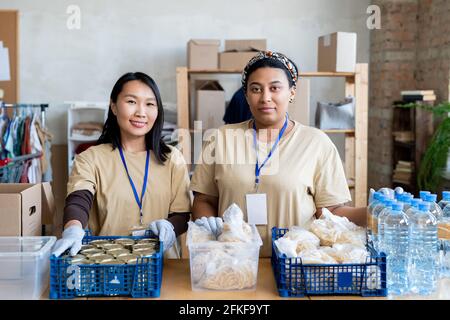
{"x":304,"y":173}
{"x":115,"y":211}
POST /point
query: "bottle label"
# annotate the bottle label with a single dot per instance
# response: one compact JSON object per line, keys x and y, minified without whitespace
{"x":374,"y":225}
{"x":444,"y":231}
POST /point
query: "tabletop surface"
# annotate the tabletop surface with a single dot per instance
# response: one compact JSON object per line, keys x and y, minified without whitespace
{"x":176,"y":285}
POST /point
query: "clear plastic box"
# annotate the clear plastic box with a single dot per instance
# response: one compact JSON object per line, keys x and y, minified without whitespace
{"x":224,"y":266}
{"x":24,"y":266}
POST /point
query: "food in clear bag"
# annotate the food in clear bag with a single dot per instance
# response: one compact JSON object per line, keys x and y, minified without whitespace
{"x":229,"y":262}
{"x":333,"y":229}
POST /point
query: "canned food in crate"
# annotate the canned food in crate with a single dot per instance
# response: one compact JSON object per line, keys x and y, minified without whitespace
{"x":89,"y":252}
{"x":101,"y":259}
{"x":87,"y":246}
{"x":109,"y":246}
{"x":126,"y":242}
{"x":145,"y":252}
{"x":98,"y":243}
{"x":151,"y":241}
{"x":129,"y":259}
{"x":143,"y":246}
{"x":118,"y":252}
{"x":110,"y":261}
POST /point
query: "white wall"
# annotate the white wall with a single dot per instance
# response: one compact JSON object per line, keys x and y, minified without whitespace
{"x":58,"y":64}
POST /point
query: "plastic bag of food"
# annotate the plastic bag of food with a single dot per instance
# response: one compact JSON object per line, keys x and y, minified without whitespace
{"x":287,"y":246}
{"x":235,"y":229}
{"x":316,"y":256}
{"x":350,"y":253}
{"x":304,"y":238}
{"x":199,"y":233}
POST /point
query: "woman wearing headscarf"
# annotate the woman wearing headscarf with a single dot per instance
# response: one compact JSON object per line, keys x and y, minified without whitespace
{"x":278,"y":171}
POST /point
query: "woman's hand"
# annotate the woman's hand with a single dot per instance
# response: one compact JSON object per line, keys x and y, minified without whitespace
{"x":165,"y":231}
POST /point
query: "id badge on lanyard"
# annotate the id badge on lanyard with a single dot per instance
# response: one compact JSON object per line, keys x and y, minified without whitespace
{"x":257,"y":202}
{"x":141,"y":228}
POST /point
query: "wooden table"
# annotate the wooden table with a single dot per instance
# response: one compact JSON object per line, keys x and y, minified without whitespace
{"x":176,"y":285}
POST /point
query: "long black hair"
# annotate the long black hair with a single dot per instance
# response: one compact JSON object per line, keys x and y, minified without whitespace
{"x":111,"y":130}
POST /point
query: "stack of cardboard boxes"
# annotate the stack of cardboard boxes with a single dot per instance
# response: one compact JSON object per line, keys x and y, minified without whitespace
{"x":203,"y":54}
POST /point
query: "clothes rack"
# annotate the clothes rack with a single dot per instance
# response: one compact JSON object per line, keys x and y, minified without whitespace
{"x":25,"y":105}
{"x":25,"y":159}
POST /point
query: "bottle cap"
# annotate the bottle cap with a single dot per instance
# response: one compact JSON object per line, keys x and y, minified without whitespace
{"x":430,"y":198}
{"x":422,"y":194}
{"x":424,"y":206}
{"x":446,"y":195}
{"x":415,"y":202}
{"x":397,"y":206}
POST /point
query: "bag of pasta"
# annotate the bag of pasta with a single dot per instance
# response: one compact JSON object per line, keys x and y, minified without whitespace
{"x":231,"y":261}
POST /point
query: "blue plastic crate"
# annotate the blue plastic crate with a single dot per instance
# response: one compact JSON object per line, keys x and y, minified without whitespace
{"x":140,"y":280}
{"x":295,"y":279}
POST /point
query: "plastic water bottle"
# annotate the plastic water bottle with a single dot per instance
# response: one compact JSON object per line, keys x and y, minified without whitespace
{"x":434,"y":207}
{"x":445,"y":199}
{"x":379,"y":243}
{"x":414,"y":207}
{"x":375,"y":212}
{"x":406,"y":200}
{"x":395,"y":243}
{"x":444,"y":242}
{"x":377,"y":197}
{"x":422,"y":194}
{"x":423,"y":255}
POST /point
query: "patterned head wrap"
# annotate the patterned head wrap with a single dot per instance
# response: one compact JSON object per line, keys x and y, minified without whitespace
{"x":287,"y":63}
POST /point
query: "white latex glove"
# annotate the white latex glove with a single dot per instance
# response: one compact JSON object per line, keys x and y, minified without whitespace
{"x":71,"y":238}
{"x":165,"y":231}
{"x":387,"y":192}
{"x":212,"y":224}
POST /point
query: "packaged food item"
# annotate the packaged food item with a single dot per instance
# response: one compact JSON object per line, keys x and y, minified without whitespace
{"x":89,"y":252}
{"x":109,"y":246}
{"x":98,"y":243}
{"x":125,"y":242}
{"x":228,"y":263}
{"x":118,"y":252}
{"x":129,"y":259}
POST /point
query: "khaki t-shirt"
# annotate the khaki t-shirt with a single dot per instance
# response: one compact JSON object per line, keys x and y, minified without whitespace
{"x":115,"y":211}
{"x":304,"y":173}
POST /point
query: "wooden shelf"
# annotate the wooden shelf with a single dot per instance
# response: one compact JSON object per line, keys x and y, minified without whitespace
{"x":213,"y":71}
{"x":327,"y":74}
{"x":302,"y":74}
{"x":345,"y":131}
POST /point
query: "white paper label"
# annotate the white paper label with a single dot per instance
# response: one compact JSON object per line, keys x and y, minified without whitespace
{"x":257,"y":208}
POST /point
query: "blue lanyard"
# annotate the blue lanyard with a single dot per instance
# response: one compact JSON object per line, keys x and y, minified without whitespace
{"x":144,"y":185}
{"x":255,"y":144}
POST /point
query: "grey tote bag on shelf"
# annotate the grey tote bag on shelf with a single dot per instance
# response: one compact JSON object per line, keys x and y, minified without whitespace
{"x":340,"y":115}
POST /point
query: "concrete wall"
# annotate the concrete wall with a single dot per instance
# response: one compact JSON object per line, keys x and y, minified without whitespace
{"x":58,"y":64}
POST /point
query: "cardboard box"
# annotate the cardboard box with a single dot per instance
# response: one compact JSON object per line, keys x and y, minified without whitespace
{"x":235,"y":60}
{"x":20,"y":209}
{"x":210,"y":106}
{"x":48,"y":203}
{"x":203,"y":54}
{"x":337,"y":52}
{"x":239,"y":52}
{"x":299,"y":109}
{"x":246,"y":45}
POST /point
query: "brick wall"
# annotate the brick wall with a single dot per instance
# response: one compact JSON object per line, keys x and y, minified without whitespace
{"x":411,"y":50}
